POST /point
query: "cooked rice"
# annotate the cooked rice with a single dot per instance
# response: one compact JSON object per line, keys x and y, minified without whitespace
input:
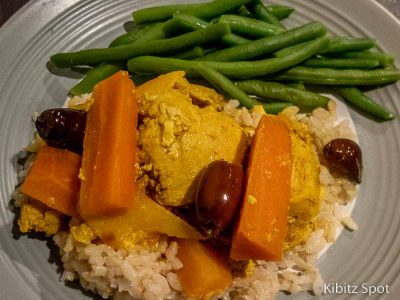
{"x":151,"y":274}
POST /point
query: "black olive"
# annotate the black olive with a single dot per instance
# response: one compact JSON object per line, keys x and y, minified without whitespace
{"x":218,"y":196}
{"x":62,"y":128}
{"x":345,"y":156}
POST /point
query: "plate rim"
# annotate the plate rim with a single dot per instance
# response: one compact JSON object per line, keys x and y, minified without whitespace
{"x":34,"y":9}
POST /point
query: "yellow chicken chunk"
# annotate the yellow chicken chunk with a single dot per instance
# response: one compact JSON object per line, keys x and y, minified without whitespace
{"x":305,"y":186}
{"x":37,"y":217}
{"x":178,"y":139}
{"x":82,"y":233}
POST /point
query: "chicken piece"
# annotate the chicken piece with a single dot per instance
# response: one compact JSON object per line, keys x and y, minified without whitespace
{"x":82,"y":233}
{"x":199,"y":95}
{"x":178,"y":139}
{"x":203,"y":96}
{"x":243,"y":268}
{"x":35,"y":216}
{"x":305,"y":186}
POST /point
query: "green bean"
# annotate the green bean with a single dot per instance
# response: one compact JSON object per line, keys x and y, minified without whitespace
{"x":157,"y":32}
{"x":148,"y":32}
{"x":363,"y":102}
{"x":278,"y":91}
{"x":94,"y":76}
{"x":244,"y":12}
{"x":336,"y":44}
{"x":150,"y":65}
{"x":240,"y":69}
{"x":280,"y":11}
{"x":385,"y":59}
{"x":206,"y":11}
{"x":192,"y":53}
{"x":161,"y":13}
{"x":124,"y":52}
{"x":342,"y":44}
{"x":250,"y":27}
{"x":232,"y":39}
{"x":291,"y":49}
{"x":296,"y":85}
{"x":339,"y":77}
{"x":263,"y":13}
{"x":341,"y":63}
{"x":105,"y":70}
{"x":268,"y":44}
{"x":133,"y":36}
{"x":189,"y":22}
{"x":274,"y":107}
{"x":225,"y":86}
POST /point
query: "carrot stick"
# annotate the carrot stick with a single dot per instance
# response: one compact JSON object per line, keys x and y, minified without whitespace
{"x":205,"y":272}
{"x":109,"y":149}
{"x":53,"y":179}
{"x":261,"y":228}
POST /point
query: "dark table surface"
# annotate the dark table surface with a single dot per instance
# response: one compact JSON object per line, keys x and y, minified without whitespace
{"x":9,"y":7}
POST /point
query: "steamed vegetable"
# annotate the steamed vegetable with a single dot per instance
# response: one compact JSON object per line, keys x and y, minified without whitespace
{"x":224,"y":85}
{"x":237,"y":69}
{"x":343,"y":44}
{"x":205,"y":272}
{"x":341,"y":63}
{"x":108,"y":171}
{"x":93,"y":77}
{"x":349,"y":77}
{"x":133,"y":36}
{"x":362,"y":101}
{"x":185,"y":22}
{"x":250,"y":27}
{"x":261,"y":227}
{"x":278,"y":91}
{"x":125,"y":52}
{"x":202,"y":10}
{"x":262,"y":13}
{"x":208,"y":10}
{"x":266,"y":45}
{"x":53,"y":179}
{"x":385,"y":59}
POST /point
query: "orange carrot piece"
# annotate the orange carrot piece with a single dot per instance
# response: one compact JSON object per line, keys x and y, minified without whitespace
{"x":53,"y":179}
{"x":261,"y":228}
{"x":205,"y":272}
{"x":109,"y":149}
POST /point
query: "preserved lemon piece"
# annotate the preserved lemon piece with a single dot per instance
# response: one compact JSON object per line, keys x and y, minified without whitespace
{"x":145,"y":220}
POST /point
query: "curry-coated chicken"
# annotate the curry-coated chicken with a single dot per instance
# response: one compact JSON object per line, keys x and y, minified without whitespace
{"x":35,"y":216}
{"x":305,"y":186}
{"x":183,"y":131}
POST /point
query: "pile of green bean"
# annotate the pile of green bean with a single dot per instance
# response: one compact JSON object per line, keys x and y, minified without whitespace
{"x":242,"y":48}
